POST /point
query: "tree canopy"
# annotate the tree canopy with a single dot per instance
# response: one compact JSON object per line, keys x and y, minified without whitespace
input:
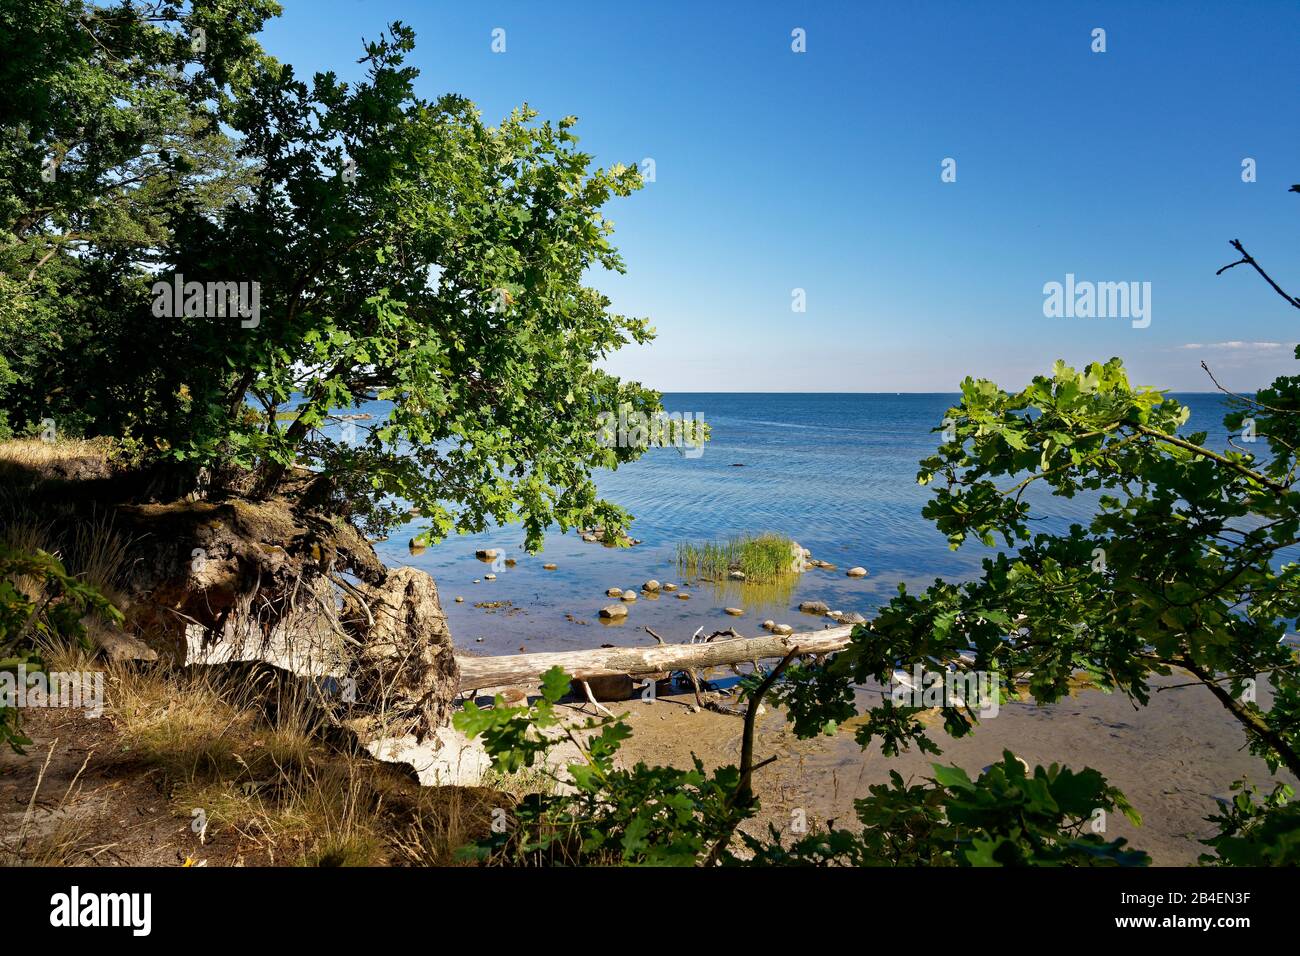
{"x":401,"y":250}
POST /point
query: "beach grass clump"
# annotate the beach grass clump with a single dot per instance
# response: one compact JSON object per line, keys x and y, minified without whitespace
{"x":252,"y":758}
{"x":763,"y":557}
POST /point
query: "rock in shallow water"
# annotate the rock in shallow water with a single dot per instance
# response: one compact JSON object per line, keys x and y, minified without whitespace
{"x":613,"y":611}
{"x":856,"y":572}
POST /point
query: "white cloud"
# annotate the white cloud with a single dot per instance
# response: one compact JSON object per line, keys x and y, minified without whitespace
{"x":1238,"y":346}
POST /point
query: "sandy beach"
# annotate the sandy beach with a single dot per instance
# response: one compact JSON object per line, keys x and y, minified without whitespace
{"x":1171,"y":758}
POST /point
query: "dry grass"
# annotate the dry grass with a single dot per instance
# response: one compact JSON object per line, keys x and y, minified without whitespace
{"x":64,"y":845}
{"x":261,"y":774}
{"x":97,"y":554}
{"x":60,"y":839}
{"x":38,"y":458}
{"x":92,"y":551}
{"x":39,"y":452}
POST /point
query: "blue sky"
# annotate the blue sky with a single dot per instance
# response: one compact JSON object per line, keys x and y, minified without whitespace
{"x":778,"y":170}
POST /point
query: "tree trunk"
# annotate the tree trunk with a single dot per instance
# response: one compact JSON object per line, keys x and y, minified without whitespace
{"x":481,"y":672}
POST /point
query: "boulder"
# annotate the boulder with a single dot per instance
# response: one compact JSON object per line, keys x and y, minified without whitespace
{"x":651,"y":586}
{"x":115,"y":644}
{"x":814,"y":607}
{"x":798,"y":557}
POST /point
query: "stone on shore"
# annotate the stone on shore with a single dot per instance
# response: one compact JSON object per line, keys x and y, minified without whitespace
{"x":853,"y":617}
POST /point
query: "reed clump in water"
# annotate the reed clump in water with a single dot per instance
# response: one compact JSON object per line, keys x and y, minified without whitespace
{"x":762,"y":558}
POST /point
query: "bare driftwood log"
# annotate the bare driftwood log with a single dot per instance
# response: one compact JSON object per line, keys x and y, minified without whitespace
{"x":479,"y":672}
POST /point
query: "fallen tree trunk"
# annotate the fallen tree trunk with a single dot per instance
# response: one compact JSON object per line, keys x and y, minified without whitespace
{"x":480,"y":672}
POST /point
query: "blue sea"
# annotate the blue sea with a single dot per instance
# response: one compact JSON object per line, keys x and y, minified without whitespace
{"x":837,"y":473}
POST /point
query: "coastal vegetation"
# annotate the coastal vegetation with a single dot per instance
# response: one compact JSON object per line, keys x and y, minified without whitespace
{"x":760,"y":558}
{"x":175,"y":481}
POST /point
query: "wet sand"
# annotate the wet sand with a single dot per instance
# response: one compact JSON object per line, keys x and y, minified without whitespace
{"x":1171,"y":758}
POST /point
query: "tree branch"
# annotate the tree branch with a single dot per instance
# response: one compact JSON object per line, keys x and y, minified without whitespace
{"x":1248,"y":260}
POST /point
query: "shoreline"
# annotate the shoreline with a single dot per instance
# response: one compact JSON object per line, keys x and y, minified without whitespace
{"x":1171,"y":758}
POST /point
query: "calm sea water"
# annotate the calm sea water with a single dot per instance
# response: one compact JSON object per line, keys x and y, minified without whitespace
{"x":837,"y":473}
